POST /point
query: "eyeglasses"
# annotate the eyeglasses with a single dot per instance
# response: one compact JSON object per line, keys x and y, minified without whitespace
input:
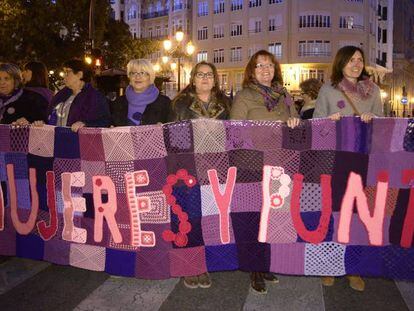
{"x":263,"y":66}
{"x":140,"y":74}
{"x":202,"y":75}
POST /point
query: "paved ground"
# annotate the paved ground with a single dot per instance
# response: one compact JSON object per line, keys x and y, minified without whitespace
{"x":34,"y":285}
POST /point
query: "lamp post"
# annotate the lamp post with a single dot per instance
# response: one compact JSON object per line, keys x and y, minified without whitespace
{"x":178,"y":52}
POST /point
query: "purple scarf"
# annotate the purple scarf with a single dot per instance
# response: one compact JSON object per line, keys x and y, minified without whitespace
{"x":45,"y":92}
{"x":272,"y":94}
{"x":137,"y":102}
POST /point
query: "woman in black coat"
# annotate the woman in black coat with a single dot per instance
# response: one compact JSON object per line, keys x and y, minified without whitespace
{"x":142,"y":103}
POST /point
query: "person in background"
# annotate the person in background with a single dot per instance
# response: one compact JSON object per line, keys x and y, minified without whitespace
{"x":18,"y":105}
{"x":309,"y":89}
{"x":263,"y":97}
{"x":36,"y":79}
{"x":142,"y":103}
{"x":201,"y":98}
{"x":78,"y":104}
{"x":350,"y":92}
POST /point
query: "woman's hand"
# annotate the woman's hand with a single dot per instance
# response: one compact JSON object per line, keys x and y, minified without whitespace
{"x":77,"y":125}
{"x":335,"y":116}
{"x":293,"y":122}
{"x":21,"y":122}
{"x":38,"y":123}
{"x":367,"y":117}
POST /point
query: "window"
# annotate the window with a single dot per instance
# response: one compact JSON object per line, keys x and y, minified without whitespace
{"x":384,"y":36}
{"x":178,"y":5}
{"x":312,"y":20}
{"x":150,"y":32}
{"x":255,"y":25}
{"x":218,"y":56}
{"x":236,"y":5}
{"x":236,"y":29}
{"x":218,"y":6}
{"x":223,"y":81}
{"x":132,"y":12}
{"x":255,"y":3}
{"x":158,"y":31}
{"x":202,"y":55}
{"x":276,"y":49}
{"x":203,"y":8}
{"x":236,"y":54}
{"x":275,"y":22}
{"x":314,"y":48}
{"x":351,"y":22}
{"x":275,"y":1}
{"x":311,"y":73}
{"x":253,"y":49}
{"x":218,"y":31}
{"x":202,"y":33}
{"x":239,"y":80}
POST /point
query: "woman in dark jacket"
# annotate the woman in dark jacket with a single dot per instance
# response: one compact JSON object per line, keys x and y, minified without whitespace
{"x":18,"y":105}
{"x":78,"y":104}
{"x":142,"y":103}
{"x":36,"y":79}
{"x":202,"y":97}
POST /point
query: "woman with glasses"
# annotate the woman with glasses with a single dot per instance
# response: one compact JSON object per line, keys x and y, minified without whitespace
{"x":201,"y":98}
{"x":78,"y":104}
{"x":263,"y":97}
{"x":142,"y":102}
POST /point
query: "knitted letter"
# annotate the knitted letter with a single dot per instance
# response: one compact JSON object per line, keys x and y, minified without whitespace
{"x":104,"y":184}
{"x":1,"y":210}
{"x":47,"y":232}
{"x":318,"y":235}
{"x":72,"y":204}
{"x":223,"y":201}
{"x":408,"y":228}
{"x":373,"y":224}
{"x":136,"y":206}
{"x":23,"y":228}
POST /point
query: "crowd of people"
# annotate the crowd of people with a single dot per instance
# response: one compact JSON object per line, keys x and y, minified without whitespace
{"x":25,"y":99}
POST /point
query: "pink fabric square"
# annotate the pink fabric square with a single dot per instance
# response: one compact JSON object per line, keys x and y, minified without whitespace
{"x":187,"y":261}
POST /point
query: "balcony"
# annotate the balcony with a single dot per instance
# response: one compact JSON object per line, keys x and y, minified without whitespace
{"x":315,"y":53}
{"x":155,"y":14}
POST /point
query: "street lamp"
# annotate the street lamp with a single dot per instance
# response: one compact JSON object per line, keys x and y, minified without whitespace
{"x":178,"y":52}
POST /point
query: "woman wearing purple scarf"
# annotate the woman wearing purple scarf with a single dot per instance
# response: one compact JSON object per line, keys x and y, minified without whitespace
{"x":142,"y":103}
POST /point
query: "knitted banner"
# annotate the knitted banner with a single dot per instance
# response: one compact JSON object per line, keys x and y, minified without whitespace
{"x":326,"y":198}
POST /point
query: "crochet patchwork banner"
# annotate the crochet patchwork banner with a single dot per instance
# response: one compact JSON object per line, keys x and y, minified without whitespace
{"x":326,"y":198}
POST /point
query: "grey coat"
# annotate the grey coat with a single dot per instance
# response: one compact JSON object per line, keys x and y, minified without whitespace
{"x":328,"y":98}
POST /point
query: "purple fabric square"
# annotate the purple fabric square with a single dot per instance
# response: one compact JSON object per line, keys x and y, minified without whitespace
{"x":238,"y":135}
{"x":19,"y":161}
{"x":3,"y":172}
{"x":249,"y":165}
{"x":187,"y":261}
{"x":66,"y":143}
{"x":91,"y":144}
{"x":176,"y":162}
{"x":158,"y":230}
{"x":57,"y":251}
{"x":254,"y":257}
{"x":397,"y":142}
{"x":394,"y":163}
{"x":398,"y":263}
{"x":211,"y":230}
{"x":148,"y":141}
{"x":299,"y":138}
{"x":5,"y":138}
{"x":91,"y":168}
{"x":347,"y":131}
{"x":29,"y":246}
{"x":42,"y":165}
{"x":288,"y":159}
{"x":222,"y":257}
{"x":287,"y":258}
{"x":157,"y":173}
{"x":178,"y":137}
{"x":247,"y":197}
{"x":19,"y":139}
{"x":398,"y":217}
{"x":382,"y":134}
{"x":120,"y":262}
{"x":364,"y":260}
{"x":23,"y":193}
{"x":314,"y":163}
{"x":207,"y":161}
{"x":323,"y":134}
{"x":245,"y":227}
{"x":267,"y":135}
{"x":116,"y":170}
{"x":195,"y":236}
{"x":65,"y":166}
{"x":152,"y":264}
{"x":8,"y":236}
{"x":280,"y":227}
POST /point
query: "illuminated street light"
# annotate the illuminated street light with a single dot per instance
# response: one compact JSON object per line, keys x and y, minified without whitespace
{"x":88,"y":59}
{"x":51,"y":72}
{"x":157,"y":67}
{"x":165,"y":59}
{"x":61,"y":74}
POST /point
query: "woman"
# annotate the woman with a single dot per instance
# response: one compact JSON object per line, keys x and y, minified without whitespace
{"x":17,"y":105}
{"x":78,"y":104}
{"x":202,"y":98}
{"x":142,"y":103}
{"x":36,"y":79}
{"x":350,"y":91}
{"x":310,"y":89}
{"x":263,"y":97}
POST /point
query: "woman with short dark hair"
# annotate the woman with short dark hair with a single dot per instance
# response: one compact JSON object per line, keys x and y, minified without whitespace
{"x":309,"y":89}
{"x":350,"y":91}
{"x":36,"y":79}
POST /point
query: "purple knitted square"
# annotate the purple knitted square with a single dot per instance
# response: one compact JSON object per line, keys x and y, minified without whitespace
{"x":57,"y":251}
{"x":157,"y":173}
{"x":23,"y":193}
{"x":299,"y":138}
{"x":8,"y":236}
{"x":394,"y":163}
{"x":247,"y":197}
{"x":187,"y":261}
{"x":148,"y":141}
{"x":91,"y":145}
{"x":323,"y":134}
{"x":382,"y":134}
{"x":249,"y":165}
{"x":397,"y":141}
{"x":65,"y":166}
{"x":152,"y":264}
{"x":364,"y":261}
{"x":19,"y":139}
{"x":5,"y":138}
{"x":88,"y":225}
{"x":238,"y":134}
{"x":117,"y":144}
{"x":116,"y":170}
{"x":245,"y":227}
{"x":158,"y":229}
{"x":3,"y":172}
{"x":211,"y":230}
{"x":91,"y":168}
{"x":288,"y":159}
{"x":287,"y":258}
{"x":348,"y":130}
{"x":177,"y":161}
{"x":398,"y":262}
{"x":208,"y":161}
{"x":267,"y":135}
{"x":280,"y":227}
{"x":314,"y":163}
{"x":178,"y":137}
{"x":20,"y":165}
{"x":254,"y":256}
{"x":327,"y":258}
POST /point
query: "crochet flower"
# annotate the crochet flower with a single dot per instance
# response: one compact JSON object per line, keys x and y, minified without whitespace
{"x":341,"y":104}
